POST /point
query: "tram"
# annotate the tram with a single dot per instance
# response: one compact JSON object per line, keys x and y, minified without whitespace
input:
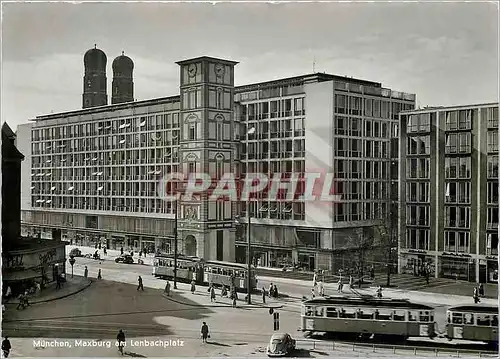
{"x":215,"y":273}
{"x":367,"y":316}
{"x":473,"y":322}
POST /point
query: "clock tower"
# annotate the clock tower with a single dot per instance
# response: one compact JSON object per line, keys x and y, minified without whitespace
{"x":207,"y":145}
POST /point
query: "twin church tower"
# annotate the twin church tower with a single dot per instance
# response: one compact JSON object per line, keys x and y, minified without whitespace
{"x":95,"y":81}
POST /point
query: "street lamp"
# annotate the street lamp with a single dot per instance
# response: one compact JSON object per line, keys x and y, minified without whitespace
{"x":175,"y":239}
{"x":72,"y":262}
{"x":250,"y":131}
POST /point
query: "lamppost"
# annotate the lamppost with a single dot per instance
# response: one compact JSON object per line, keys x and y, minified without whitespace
{"x":175,"y":238}
{"x":72,"y":262}
{"x":250,"y":131}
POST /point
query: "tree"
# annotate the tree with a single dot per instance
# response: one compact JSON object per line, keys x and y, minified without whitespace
{"x":360,"y":244}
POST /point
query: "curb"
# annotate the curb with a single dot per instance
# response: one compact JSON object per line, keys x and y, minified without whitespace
{"x":65,"y":295}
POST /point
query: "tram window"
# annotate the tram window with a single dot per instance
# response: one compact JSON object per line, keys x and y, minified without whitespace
{"x":431,"y":317}
{"x":331,"y":313}
{"x":494,"y":321}
{"x":412,"y":316}
{"x":469,"y":318}
{"x":399,"y":315}
{"x":483,"y":320}
{"x":424,"y":317}
{"x":350,"y":313}
{"x":309,"y":311}
{"x":319,"y":312}
{"x":342,"y":313}
{"x":385,"y":315}
{"x":457,"y":318}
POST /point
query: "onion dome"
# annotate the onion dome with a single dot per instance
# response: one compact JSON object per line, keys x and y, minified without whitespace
{"x":95,"y":59}
{"x":123,"y":65}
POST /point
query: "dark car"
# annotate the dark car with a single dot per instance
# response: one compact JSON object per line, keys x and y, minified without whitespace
{"x":127,"y":259}
{"x":75,"y":252}
{"x":280,"y":345}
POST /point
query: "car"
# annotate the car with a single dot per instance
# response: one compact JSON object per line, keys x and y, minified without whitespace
{"x":280,"y":345}
{"x":75,"y":252}
{"x":127,"y":259}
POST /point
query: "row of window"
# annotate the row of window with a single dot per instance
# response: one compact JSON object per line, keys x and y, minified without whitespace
{"x":106,"y":127}
{"x":418,"y":192}
{"x":346,"y":147}
{"x":457,"y":242}
{"x":370,"y":313}
{"x":419,"y":145}
{"x":457,"y":192}
{"x":273,"y":109}
{"x":418,"y":239}
{"x":458,"y":143}
{"x":457,"y":217}
{"x":362,"y":190}
{"x":350,"y":126}
{"x":457,"y":167}
{"x":418,"y":168}
{"x":419,"y":123}
{"x":361,"y":169}
{"x":359,"y":211}
{"x":360,"y":106}
{"x":460,"y":120}
{"x":110,"y":142}
{"x":454,"y":241}
{"x":418,"y":215}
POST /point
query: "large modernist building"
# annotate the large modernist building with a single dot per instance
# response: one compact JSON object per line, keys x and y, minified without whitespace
{"x":94,"y":173}
{"x":449,"y":191}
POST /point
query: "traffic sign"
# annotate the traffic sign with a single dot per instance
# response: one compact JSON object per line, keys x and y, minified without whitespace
{"x":276,"y":321}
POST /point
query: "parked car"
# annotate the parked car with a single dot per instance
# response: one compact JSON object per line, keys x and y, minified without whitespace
{"x":127,"y":259}
{"x":280,"y":345}
{"x":75,"y":252}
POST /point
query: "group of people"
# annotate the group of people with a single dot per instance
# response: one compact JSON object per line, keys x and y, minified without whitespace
{"x":478,"y":292}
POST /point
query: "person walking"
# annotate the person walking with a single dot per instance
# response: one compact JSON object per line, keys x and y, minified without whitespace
{"x":99,"y":274}
{"x":105,"y":251}
{"x":263,"y":295}
{"x":271,"y":291}
{"x":379,"y":292}
{"x":275,"y":292}
{"x":167,"y":288}
{"x":351,"y":282}
{"x":193,"y":287}
{"x":120,"y":339}
{"x":86,"y":272}
{"x":475,"y":295}
{"x":6,"y":347}
{"x":140,"y":286}
{"x":204,"y":332}
{"x":212,"y":294}
{"x":121,"y":251}
{"x":481,"y":290}
{"x":58,"y":282}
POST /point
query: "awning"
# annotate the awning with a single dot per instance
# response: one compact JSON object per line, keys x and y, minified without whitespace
{"x":21,"y":275}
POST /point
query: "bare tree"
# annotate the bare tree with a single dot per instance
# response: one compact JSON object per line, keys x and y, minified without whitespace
{"x":360,"y":244}
{"x":387,"y":231}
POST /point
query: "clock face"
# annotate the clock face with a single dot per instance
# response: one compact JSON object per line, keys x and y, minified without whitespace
{"x":192,"y":70}
{"x":219,"y":70}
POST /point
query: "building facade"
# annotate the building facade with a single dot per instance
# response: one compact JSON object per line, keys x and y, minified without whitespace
{"x":449,"y":191}
{"x":94,"y":173}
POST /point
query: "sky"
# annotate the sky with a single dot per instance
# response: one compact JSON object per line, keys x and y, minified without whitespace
{"x":446,"y":53}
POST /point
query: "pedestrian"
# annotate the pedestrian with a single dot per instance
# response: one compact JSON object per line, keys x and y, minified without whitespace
{"x":105,"y":251}
{"x":339,"y":286}
{"x":204,"y":332}
{"x":86,"y":272}
{"x":275,"y":292}
{"x":476,"y":295}
{"x":379,"y":292}
{"x":271,"y":291}
{"x":120,"y":339}
{"x":263,"y":295}
{"x":140,"y":286}
{"x":481,"y":290}
{"x":121,"y":251}
{"x":372,"y":272}
{"x":212,"y":294}
{"x":351,"y":282}
{"x":321,"y":289}
{"x":99,"y":275}
{"x":193,"y":287}
{"x":58,"y":280}
{"x":223,"y":292}
{"x":140,"y":254}
{"x":167,"y":288}
{"x":6,"y":347}
{"x":233,"y":297}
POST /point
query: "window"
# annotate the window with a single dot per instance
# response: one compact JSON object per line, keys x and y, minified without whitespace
{"x":368,"y":107}
{"x":368,"y":128}
{"x":355,"y":104}
{"x":412,"y":145}
{"x":450,"y":166}
{"x":340,"y":104}
{"x":424,"y":145}
{"x":492,"y":218}
{"x":451,"y":143}
{"x":424,"y":167}
{"x":412,"y":123}
{"x":457,"y":217}
{"x":340,"y":125}
{"x":425,"y":122}
{"x":355,"y":126}
{"x":492,"y":192}
{"x":418,"y":239}
{"x":341,"y":147}
{"x":493,"y":167}
{"x":464,"y":119}
{"x":424,"y":192}
{"x":464,"y":141}
{"x":451,"y":192}
{"x":492,"y":141}
{"x":341,"y":168}
{"x":451,"y":120}
{"x":464,"y":167}
{"x":411,"y":168}
{"x":192,"y":131}
{"x":456,"y":242}
{"x":464,"y":192}
{"x":299,"y":107}
{"x":492,"y":116}
{"x":450,"y":244}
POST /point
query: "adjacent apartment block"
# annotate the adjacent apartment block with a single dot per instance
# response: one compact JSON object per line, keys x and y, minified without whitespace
{"x":449,"y":191}
{"x":93,"y":174}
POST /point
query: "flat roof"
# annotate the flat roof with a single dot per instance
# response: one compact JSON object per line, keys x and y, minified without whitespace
{"x":201,"y":58}
{"x":449,"y":108}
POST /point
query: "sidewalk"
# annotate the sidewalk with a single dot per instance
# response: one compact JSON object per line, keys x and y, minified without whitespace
{"x":417,"y":296}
